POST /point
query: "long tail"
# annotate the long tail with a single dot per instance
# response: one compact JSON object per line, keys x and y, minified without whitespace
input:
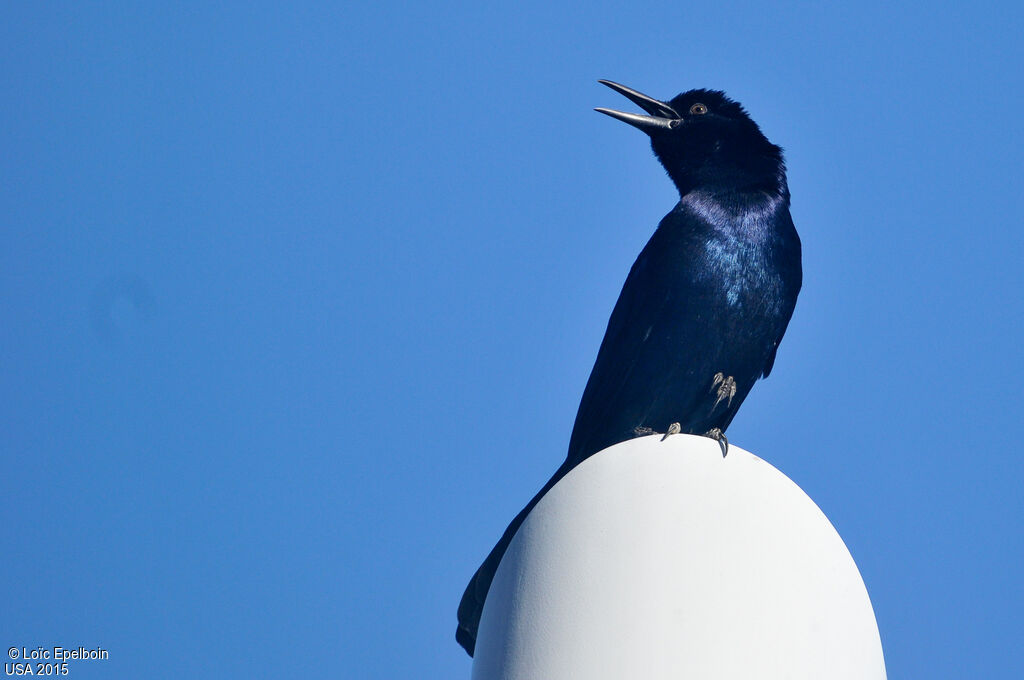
{"x":472,"y":604}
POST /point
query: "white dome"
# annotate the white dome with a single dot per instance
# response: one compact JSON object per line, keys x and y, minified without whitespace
{"x":660,"y":559}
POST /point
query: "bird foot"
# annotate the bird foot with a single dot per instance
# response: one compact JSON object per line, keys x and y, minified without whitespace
{"x":719,"y":436}
{"x":643,"y":431}
{"x":674,"y":428}
{"x":726,"y":388}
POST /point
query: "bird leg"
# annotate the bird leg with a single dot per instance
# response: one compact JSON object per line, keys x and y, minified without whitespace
{"x":719,"y":436}
{"x":726,"y":386}
{"x":674,"y":428}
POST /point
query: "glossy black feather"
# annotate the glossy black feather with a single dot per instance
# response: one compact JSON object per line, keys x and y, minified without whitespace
{"x":711,"y":293}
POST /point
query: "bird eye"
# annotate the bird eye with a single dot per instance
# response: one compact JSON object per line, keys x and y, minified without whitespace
{"x":698,"y":109}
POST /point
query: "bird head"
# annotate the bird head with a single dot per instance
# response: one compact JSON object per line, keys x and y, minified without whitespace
{"x":707,"y":142}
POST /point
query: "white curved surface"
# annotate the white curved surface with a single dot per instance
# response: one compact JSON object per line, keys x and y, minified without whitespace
{"x":660,"y":559}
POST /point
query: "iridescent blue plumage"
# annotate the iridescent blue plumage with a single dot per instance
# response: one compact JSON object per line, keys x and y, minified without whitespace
{"x":705,"y":305}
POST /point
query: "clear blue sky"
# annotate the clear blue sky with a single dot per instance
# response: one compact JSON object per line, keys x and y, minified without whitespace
{"x":298,"y":304}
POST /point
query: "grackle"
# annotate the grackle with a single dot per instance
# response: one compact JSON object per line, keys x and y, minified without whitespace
{"x":705,"y":305}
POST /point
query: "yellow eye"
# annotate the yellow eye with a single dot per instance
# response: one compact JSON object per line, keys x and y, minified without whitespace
{"x":698,"y":109}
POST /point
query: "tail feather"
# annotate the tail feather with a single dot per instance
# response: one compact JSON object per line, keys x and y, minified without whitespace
{"x":472,"y":604}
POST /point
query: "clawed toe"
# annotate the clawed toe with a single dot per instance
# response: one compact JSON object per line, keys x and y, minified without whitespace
{"x":725,"y":388}
{"x":719,"y":436}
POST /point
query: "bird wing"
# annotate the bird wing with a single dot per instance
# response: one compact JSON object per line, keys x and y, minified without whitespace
{"x":630,"y":373}
{"x":793,"y":278}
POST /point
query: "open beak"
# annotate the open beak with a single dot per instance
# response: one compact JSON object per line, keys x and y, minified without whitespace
{"x":663,"y":116}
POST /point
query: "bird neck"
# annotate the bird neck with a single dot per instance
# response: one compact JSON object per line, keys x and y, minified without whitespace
{"x":732,"y":169}
{"x":732,"y":211}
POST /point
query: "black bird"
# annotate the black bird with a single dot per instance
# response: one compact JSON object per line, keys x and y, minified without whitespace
{"x":705,"y":305}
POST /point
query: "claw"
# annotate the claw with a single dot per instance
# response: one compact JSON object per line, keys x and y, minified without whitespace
{"x":719,"y":436}
{"x":674,"y":428}
{"x":726,"y":388}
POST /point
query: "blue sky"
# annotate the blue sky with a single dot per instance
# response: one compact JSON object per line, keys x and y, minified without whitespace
{"x":299,"y":303}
